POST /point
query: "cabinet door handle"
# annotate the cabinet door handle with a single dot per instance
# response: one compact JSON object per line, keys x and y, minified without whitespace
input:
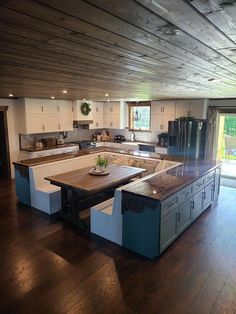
{"x":42,"y":108}
{"x":96,"y":109}
{"x":192,"y":204}
{"x":58,"y":108}
{"x":204,"y":195}
{"x":163,"y":109}
{"x":178,"y":216}
{"x":43,"y":127}
{"x":59,"y":126}
{"x":96,"y":124}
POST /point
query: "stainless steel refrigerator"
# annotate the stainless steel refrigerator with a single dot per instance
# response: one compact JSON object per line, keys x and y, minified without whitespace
{"x":187,"y":138}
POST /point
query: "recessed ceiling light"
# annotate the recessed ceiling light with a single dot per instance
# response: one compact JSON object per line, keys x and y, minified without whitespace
{"x":106,"y":94}
{"x":11,"y":95}
{"x":64,"y":91}
{"x":52,"y":97}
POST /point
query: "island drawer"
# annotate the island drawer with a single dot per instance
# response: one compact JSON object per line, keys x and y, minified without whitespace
{"x":209,"y":177}
{"x":198,"y":185}
{"x":185,"y":194}
{"x":169,"y":204}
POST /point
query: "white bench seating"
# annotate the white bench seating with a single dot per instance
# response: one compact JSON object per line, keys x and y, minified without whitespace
{"x":106,"y":217}
{"x":47,"y":197}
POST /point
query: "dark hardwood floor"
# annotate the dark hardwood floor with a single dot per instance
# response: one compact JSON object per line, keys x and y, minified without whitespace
{"x":46,"y":267}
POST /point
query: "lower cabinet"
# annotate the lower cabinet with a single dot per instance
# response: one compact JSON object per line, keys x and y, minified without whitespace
{"x":208,"y":195}
{"x":175,"y":222}
{"x":184,"y":215}
{"x":168,"y":229}
{"x":197,"y":207}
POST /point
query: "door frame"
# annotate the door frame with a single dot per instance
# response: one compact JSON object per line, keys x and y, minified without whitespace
{"x":4,"y":110}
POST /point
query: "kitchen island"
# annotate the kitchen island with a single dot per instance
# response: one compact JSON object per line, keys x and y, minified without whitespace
{"x":157,"y":210}
{"x":145,"y":215}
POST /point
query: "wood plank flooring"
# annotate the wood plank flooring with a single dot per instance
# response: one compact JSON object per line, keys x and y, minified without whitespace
{"x":46,"y":267}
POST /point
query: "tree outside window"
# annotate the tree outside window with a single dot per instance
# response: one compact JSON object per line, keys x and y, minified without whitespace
{"x":140,"y":116}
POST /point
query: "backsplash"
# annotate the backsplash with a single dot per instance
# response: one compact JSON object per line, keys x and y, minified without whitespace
{"x":79,"y":134}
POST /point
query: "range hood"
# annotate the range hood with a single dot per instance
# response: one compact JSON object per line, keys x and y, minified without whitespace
{"x":77,"y":123}
{"x":80,"y":118}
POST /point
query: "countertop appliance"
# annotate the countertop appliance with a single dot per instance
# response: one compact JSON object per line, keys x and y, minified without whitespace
{"x":60,"y":140}
{"x":146,"y":148}
{"x":187,"y":138}
{"x":38,"y":144}
{"x":163,"y":139}
{"x":85,"y":144}
{"x":119,"y":138}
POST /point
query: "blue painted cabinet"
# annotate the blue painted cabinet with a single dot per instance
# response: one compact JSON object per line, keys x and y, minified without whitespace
{"x":168,"y":229}
{"x":184,"y":216}
{"x":197,"y":207}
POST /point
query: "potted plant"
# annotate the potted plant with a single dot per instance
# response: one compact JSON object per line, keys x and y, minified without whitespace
{"x":101,"y":163}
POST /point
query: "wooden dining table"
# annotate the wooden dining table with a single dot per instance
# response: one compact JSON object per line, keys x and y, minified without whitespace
{"x":80,"y":190}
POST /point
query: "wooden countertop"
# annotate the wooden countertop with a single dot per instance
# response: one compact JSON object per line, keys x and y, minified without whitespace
{"x":53,"y":158}
{"x":163,"y":185}
{"x":82,"y":180}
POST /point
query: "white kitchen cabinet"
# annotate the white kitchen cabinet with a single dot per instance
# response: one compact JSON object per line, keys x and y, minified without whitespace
{"x":163,"y":107}
{"x":182,"y":108}
{"x":51,"y":123}
{"x":49,"y":106}
{"x":33,"y":106}
{"x":115,"y":115}
{"x":112,"y":107}
{"x":65,"y":106}
{"x":98,"y":121}
{"x":33,"y":123}
{"x":97,"y":116}
{"x":112,"y":121}
{"x":165,"y":121}
{"x":159,"y":122}
{"x":161,"y":113}
{"x":65,"y":121}
{"x":45,"y":115}
{"x":196,"y":108}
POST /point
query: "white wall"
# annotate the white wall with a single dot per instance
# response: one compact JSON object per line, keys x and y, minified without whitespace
{"x":13,"y":133}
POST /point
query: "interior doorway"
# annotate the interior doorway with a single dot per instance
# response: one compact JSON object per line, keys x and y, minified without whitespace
{"x":5,"y":166}
{"x":226,"y":150}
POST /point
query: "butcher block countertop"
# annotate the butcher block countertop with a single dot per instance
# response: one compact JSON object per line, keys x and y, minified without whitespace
{"x":163,"y":185}
{"x":47,"y":159}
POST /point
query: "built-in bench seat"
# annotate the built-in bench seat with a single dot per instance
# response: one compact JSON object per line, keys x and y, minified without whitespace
{"x":46,"y":197}
{"x":106,"y":217}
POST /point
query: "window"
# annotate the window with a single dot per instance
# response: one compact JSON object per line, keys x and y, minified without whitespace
{"x":140,"y":116}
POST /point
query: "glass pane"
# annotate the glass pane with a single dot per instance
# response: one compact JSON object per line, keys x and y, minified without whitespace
{"x":140,"y":118}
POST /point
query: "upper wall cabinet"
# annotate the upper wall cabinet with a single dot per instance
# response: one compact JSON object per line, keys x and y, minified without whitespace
{"x":115,"y":115}
{"x":44,"y":115}
{"x":163,"y":107}
{"x":161,"y":113}
{"x":97,"y":115}
{"x":196,"y":108}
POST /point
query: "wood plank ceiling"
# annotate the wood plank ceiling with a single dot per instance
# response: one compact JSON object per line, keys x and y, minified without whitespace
{"x":143,"y":49}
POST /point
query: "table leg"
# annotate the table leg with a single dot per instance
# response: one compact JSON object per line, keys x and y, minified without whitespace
{"x":64,"y":200}
{"x":75,"y":211}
